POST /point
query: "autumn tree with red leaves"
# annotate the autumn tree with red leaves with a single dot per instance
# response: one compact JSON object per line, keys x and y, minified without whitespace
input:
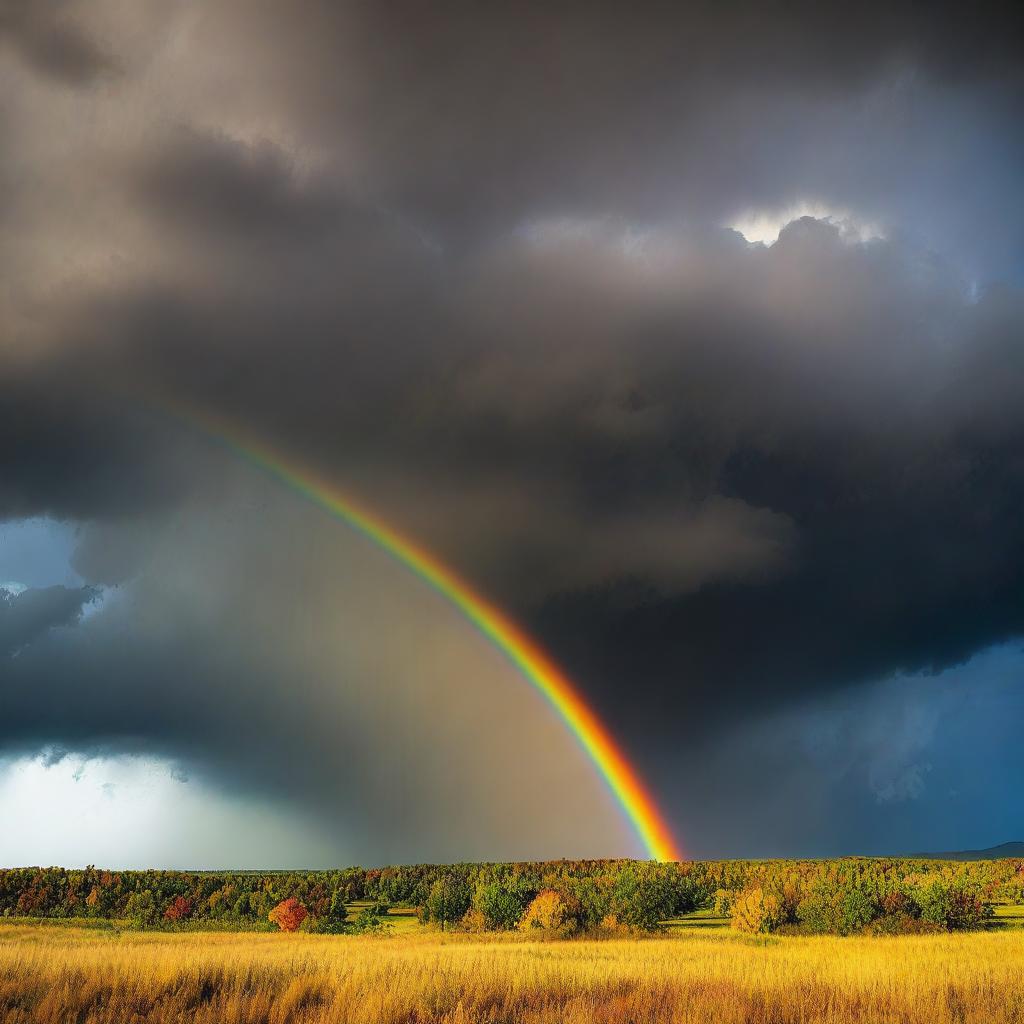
{"x":288,"y":914}
{"x":179,"y":909}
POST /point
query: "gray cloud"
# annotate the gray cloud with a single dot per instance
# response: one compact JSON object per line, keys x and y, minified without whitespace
{"x":46,"y":37}
{"x":27,"y":615}
{"x":271,"y":651}
{"x":478,"y":270}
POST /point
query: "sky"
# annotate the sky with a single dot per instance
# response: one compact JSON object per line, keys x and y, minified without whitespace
{"x":690,"y":335}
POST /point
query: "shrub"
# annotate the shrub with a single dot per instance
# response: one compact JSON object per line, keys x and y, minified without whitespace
{"x":1012,"y":891}
{"x":896,"y":902}
{"x":952,"y":905}
{"x":612,"y":923}
{"x":551,"y":912}
{"x":288,"y":914}
{"x":901,"y":924}
{"x":836,"y":909}
{"x":367,"y":920}
{"x":333,"y":919}
{"x":473,"y":921}
{"x":324,"y":926}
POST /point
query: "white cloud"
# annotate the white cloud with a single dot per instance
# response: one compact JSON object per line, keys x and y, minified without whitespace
{"x":128,"y":811}
{"x":764,"y":226}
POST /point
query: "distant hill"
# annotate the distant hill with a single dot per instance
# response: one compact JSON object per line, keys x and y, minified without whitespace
{"x":992,"y":853}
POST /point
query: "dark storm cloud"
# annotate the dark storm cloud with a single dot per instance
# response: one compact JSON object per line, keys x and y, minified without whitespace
{"x":223,"y":189}
{"x":71,"y":448}
{"x":880,"y":446}
{"x":473,"y":264}
{"x":470,"y":121}
{"x":41,"y":33}
{"x":31,"y":613}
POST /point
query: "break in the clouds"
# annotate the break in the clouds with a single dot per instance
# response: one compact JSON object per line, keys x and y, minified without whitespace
{"x":690,"y":335}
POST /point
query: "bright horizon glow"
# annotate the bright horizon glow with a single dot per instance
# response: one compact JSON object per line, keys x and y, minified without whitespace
{"x":121,"y":810}
{"x":612,"y":765}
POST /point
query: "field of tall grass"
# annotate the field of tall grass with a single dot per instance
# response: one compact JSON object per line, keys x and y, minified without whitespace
{"x":109,"y":977}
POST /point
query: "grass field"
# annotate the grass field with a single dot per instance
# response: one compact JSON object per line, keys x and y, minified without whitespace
{"x":692,"y":975}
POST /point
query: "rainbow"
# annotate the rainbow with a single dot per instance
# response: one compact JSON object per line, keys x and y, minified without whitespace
{"x":621,"y":778}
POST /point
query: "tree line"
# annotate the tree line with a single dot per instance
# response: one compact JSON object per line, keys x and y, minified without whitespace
{"x":556,"y":897}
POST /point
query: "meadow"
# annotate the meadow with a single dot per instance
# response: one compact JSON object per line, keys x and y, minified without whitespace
{"x":691,"y":974}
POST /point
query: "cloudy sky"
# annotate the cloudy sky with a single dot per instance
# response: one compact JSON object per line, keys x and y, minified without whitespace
{"x":690,"y":334}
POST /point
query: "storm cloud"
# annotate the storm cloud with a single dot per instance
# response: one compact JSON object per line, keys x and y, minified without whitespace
{"x":484,"y":268}
{"x":26,"y":615}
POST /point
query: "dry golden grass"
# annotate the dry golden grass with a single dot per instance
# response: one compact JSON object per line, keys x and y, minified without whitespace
{"x":51,"y":975}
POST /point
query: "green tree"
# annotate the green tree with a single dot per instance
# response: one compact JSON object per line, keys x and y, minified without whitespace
{"x":501,"y":902}
{"x":722,"y":903}
{"x":142,"y":908}
{"x":241,"y":909}
{"x":642,"y":899}
{"x":952,"y":904}
{"x":593,"y":898}
{"x":448,"y":900}
{"x":837,"y":908}
{"x":337,"y":911}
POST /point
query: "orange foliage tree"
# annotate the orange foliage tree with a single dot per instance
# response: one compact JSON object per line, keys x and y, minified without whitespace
{"x":757,"y":910}
{"x":550,"y":912}
{"x":288,"y":914}
{"x":179,"y":909}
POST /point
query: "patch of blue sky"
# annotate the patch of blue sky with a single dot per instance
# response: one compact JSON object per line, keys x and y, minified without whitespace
{"x":37,"y":553}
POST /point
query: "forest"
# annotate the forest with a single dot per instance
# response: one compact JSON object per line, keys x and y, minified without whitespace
{"x":559,"y":898}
